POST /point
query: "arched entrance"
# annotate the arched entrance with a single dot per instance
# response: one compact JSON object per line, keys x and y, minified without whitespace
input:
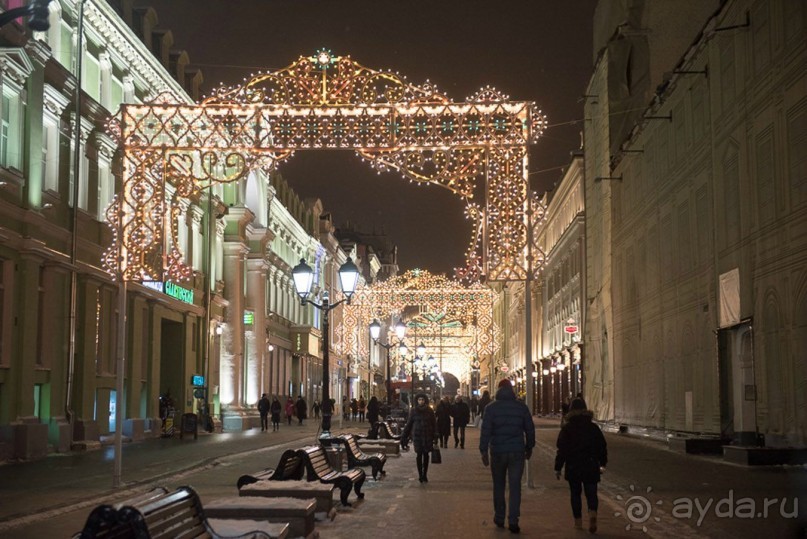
{"x":452,"y":321}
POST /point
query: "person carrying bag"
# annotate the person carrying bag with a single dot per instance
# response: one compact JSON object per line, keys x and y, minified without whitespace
{"x":421,"y":428}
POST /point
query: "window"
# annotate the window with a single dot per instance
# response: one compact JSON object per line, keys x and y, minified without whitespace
{"x":116,"y":94}
{"x":37,"y":400}
{"x":50,"y":157}
{"x":65,"y":52}
{"x":11,"y":129}
{"x":106,"y":186}
{"x":91,"y":82}
{"x":84,"y":183}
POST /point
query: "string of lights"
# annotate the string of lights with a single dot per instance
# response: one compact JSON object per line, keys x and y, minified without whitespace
{"x":323,"y":101}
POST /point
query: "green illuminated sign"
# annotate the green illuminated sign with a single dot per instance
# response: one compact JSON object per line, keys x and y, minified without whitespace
{"x":177,"y":292}
{"x":249,"y":318}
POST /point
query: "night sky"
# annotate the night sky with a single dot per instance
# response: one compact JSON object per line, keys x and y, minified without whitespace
{"x":531,"y":50}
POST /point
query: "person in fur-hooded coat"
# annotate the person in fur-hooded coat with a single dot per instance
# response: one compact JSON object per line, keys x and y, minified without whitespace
{"x":583,"y":452}
{"x":421,"y":428}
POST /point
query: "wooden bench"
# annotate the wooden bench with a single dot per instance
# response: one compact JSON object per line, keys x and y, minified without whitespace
{"x":298,"y":513}
{"x":319,"y":469}
{"x":170,"y":515}
{"x":357,"y":457}
{"x":320,"y":492}
{"x":391,"y":448}
{"x":384,"y":432}
{"x":289,"y":468}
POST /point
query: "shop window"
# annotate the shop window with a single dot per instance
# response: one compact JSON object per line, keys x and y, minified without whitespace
{"x":40,"y":326}
{"x":113,"y":404}
{"x":37,"y":400}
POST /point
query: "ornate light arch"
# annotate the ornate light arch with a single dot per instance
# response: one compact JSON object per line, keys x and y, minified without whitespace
{"x":323,"y":102}
{"x":436,"y":299}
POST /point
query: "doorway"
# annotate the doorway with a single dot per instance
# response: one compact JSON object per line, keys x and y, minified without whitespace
{"x":172,"y":363}
{"x":738,"y":391}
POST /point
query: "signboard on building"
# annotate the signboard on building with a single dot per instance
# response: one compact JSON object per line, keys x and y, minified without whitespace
{"x":249,"y":318}
{"x":571,"y":326}
{"x":177,"y":292}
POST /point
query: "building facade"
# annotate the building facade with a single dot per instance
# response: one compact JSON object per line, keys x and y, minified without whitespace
{"x":695,"y":186}
{"x":560,"y":293}
{"x":214,"y":343}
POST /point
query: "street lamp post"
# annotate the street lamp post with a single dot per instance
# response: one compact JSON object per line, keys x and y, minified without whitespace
{"x":303,"y":277}
{"x":420,"y":351}
{"x":375,"y":333}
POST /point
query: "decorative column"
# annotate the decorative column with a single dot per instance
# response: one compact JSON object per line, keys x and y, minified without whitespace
{"x":256,"y":302}
{"x":232,"y":357}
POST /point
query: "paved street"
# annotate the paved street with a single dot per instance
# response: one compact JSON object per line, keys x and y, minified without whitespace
{"x":52,"y":497}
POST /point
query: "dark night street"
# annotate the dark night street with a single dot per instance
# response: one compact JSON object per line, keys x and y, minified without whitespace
{"x":52,"y":498}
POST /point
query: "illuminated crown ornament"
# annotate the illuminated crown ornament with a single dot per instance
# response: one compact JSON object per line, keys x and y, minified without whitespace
{"x":322,"y":101}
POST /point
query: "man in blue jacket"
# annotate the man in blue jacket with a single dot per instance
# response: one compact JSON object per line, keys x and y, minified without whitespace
{"x":509,"y":433}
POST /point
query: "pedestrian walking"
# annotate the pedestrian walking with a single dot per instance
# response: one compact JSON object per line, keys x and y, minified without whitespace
{"x":564,"y":409}
{"x":474,"y":406}
{"x":354,"y":409}
{"x":509,"y":433}
{"x":289,"y":409}
{"x":584,"y":453}
{"x":461,"y":414}
{"x":275,"y":409}
{"x":345,"y":408}
{"x":373,"y":411}
{"x":301,"y":409}
{"x":315,"y":408}
{"x":443,"y":413}
{"x":362,"y":408}
{"x":483,"y":402}
{"x":421,"y":428}
{"x":263,"y":408}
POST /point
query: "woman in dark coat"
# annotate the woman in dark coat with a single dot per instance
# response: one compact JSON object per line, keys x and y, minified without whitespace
{"x":302,"y":409}
{"x":275,"y":410}
{"x":372,"y":411}
{"x":421,"y":427}
{"x":582,"y":449}
{"x":443,"y":413}
{"x":484,"y":401}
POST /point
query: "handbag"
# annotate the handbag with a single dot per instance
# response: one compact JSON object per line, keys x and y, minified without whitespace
{"x":437,"y":458}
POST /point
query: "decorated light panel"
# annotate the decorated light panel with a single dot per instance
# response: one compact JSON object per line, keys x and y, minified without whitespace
{"x":323,"y":102}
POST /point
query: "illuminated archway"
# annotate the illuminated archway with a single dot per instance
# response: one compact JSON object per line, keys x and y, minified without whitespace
{"x":454,"y":321}
{"x":323,"y":102}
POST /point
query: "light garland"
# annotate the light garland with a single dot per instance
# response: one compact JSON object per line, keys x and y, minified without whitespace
{"x":453,"y":316}
{"x":324,"y":102}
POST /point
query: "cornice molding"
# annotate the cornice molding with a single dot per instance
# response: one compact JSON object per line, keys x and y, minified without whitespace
{"x":54,"y":101}
{"x":15,"y":65}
